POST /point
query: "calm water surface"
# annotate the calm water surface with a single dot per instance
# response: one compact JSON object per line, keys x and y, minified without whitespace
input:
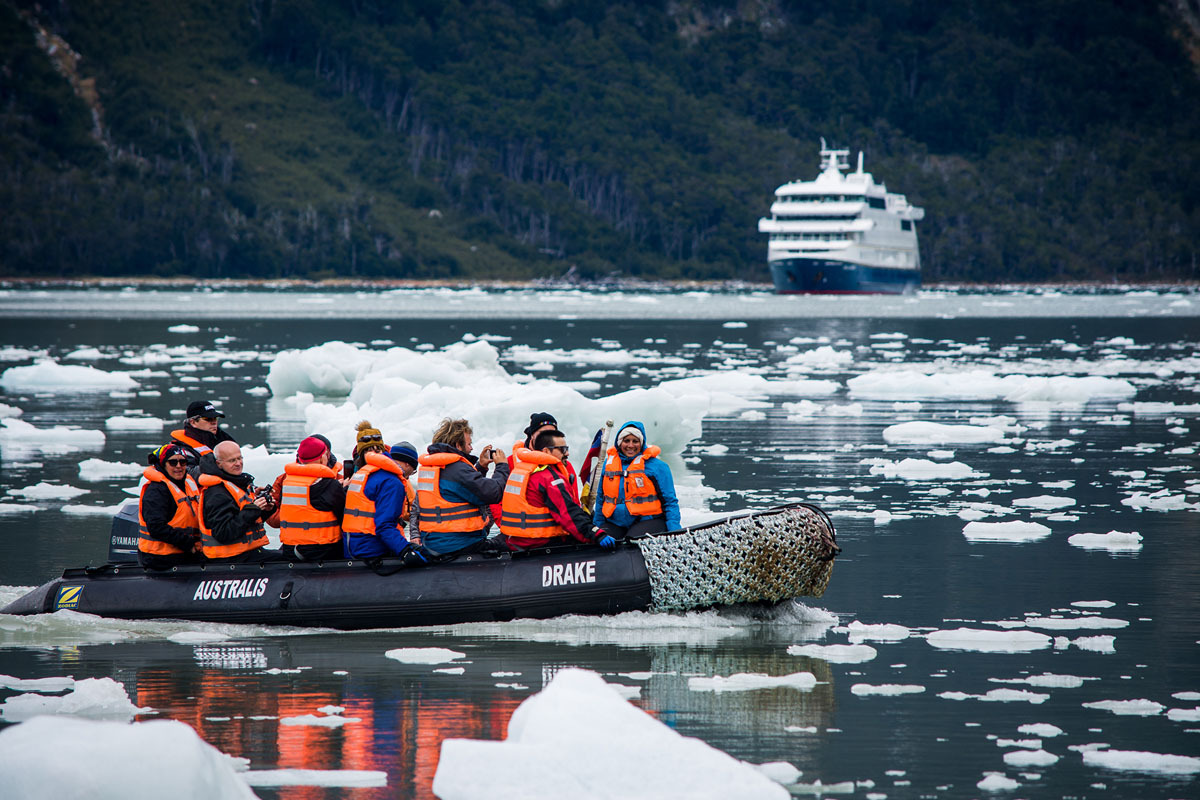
{"x":917,"y":570}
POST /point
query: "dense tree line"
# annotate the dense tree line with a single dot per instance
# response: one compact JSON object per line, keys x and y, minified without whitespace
{"x":1047,"y":140}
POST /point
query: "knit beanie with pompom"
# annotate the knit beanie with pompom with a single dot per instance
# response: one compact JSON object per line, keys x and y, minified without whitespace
{"x":368,"y":438}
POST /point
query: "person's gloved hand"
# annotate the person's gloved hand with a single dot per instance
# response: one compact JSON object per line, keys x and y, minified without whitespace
{"x":605,"y":541}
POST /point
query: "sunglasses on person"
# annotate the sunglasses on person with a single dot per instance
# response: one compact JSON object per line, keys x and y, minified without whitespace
{"x":562,"y":448}
{"x":176,"y":462}
{"x":371,"y":437}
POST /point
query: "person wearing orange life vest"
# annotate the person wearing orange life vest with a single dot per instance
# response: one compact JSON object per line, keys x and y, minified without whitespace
{"x":169,"y":532}
{"x":637,"y":492}
{"x":538,"y":422}
{"x":377,"y":499}
{"x":231,"y":510}
{"x":539,"y":506}
{"x":451,"y":514}
{"x":200,"y":434}
{"x":311,"y":504}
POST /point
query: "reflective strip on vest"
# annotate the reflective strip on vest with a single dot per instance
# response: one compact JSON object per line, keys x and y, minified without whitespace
{"x":299,"y":522}
{"x":518,"y":516}
{"x":641,"y":495}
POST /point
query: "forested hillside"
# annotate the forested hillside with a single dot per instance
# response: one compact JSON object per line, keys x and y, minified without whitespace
{"x":1047,"y":139}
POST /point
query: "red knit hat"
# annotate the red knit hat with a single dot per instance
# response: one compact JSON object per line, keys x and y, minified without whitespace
{"x":310,"y":448}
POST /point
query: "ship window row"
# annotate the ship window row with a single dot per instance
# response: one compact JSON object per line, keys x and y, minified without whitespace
{"x":810,"y":218}
{"x":817,"y":237}
{"x":821,"y":198}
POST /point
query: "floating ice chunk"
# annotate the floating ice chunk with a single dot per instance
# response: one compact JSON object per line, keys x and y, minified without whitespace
{"x":1127,"y":708}
{"x":1161,"y":500}
{"x":821,"y":789}
{"x":752,"y":415}
{"x":938,"y":433}
{"x":50,"y":376}
{"x":1046,"y":680}
{"x":780,"y":771}
{"x":18,"y":435}
{"x":996,"y":782}
{"x":999,"y":696}
{"x":858,"y":632}
{"x":733,"y":324}
{"x":84,"y":354}
{"x":1028,"y":744}
{"x":36,"y":684}
{"x":1045,"y":502}
{"x":48,"y":491}
{"x":1094,"y":603}
{"x":424,"y":655}
{"x":1114,"y":541}
{"x":1043,"y":729}
{"x":824,"y":356}
{"x":887,"y":689}
{"x":1186,"y":695}
{"x":920,"y":469}
{"x":1142,"y":761}
{"x":748,"y":681}
{"x":183,"y":329}
{"x":123,"y":423}
{"x":329,"y":721}
{"x":1029,"y":758}
{"x":114,"y":761}
{"x":849,"y":410}
{"x":342,"y":778}
{"x":835,"y":653}
{"x":1184,"y":714}
{"x":1013,"y":531}
{"x":95,"y":469}
{"x":16,"y":508}
{"x":100,"y":698}
{"x":198,"y":637}
{"x":1068,"y":623}
{"x":985,"y":641}
{"x":541,"y":758}
{"x":801,"y":409}
{"x":7,"y":411}
{"x":97,"y":511}
{"x":1097,"y":644}
{"x":883,"y":384}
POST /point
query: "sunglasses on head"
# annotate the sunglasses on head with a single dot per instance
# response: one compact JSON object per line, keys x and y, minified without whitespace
{"x":370,"y":438}
{"x":176,"y":462}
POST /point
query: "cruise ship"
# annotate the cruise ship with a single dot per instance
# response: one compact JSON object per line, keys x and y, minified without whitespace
{"x":842,"y":233}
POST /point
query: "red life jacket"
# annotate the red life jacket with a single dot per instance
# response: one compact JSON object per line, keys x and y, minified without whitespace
{"x":519,"y":517}
{"x":249,"y":540}
{"x":186,"y":501}
{"x":299,"y":522}
{"x":641,"y":495}
{"x":436,"y":514}
{"x":360,"y":512}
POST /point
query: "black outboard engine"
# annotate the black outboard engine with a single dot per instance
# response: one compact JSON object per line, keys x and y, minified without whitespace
{"x":123,"y":541}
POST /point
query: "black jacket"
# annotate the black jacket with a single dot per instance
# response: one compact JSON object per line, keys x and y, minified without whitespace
{"x":227,"y":521}
{"x":158,"y":507}
{"x":196,"y":463}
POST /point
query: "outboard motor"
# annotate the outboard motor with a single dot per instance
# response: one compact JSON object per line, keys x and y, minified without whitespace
{"x":123,"y":541}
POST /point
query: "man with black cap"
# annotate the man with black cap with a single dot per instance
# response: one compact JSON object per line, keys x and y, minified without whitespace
{"x":538,"y":422}
{"x":200,"y":434}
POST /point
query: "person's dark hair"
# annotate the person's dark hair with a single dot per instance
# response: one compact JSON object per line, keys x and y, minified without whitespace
{"x":546,"y":438}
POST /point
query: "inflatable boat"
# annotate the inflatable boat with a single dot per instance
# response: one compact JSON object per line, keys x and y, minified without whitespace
{"x":755,"y":557}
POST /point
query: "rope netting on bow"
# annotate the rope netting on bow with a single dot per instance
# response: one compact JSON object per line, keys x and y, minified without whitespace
{"x":767,"y":556}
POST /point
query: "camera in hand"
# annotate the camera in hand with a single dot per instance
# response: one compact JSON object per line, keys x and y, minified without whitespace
{"x":265,"y":493}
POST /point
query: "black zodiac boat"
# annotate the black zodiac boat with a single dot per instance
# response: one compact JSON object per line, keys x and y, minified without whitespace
{"x":756,"y":557}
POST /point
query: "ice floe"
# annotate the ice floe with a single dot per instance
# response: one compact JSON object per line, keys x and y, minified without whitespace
{"x":979,"y":384}
{"x":1127,"y":708}
{"x":95,"y":469}
{"x":886,"y":690}
{"x":1044,"y":502}
{"x":424,"y":655}
{"x":997,"y":782}
{"x":340,"y":778}
{"x":835,"y":653}
{"x":36,"y":684}
{"x":50,"y":376}
{"x":114,"y":761}
{"x":1142,"y":761}
{"x":920,"y":469}
{"x":938,"y":433}
{"x":541,"y":757}
{"x":1013,"y":531}
{"x":1043,"y":729}
{"x":1046,"y":680}
{"x":885,"y":632}
{"x":132,"y":423}
{"x":18,"y":439}
{"x":745,"y":681}
{"x":1029,"y":758}
{"x":985,"y":641}
{"x":1070,"y":623}
{"x":48,"y":491}
{"x":1113,"y":541}
{"x":100,"y":698}
{"x":999,"y":696}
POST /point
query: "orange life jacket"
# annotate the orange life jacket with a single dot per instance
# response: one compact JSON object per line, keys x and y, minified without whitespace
{"x":251,"y":539}
{"x":186,"y":501}
{"x":436,"y":514}
{"x":519,"y":517}
{"x":299,"y":522}
{"x":360,"y":512}
{"x":641,"y":495}
{"x":183,"y":438}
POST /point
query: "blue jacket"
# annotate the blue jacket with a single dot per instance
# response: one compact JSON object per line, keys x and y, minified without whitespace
{"x":462,"y":483}
{"x":659,"y":472}
{"x":386,"y":491}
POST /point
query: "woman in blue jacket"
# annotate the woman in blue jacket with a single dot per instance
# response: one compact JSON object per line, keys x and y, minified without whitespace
{"x":637,"y":493}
